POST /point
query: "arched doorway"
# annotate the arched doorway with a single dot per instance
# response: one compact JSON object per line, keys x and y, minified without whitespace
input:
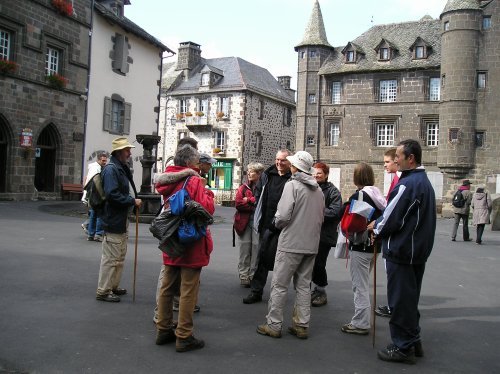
{"x":45,"y":161}
{"x":4,"y":147}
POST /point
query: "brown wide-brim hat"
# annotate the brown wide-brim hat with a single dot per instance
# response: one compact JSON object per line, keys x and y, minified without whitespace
{"x":120,"y":143}
{"x":466,"y":182}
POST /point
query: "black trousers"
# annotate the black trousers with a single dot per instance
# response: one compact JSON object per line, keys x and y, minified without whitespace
{"x":259,"y":279}
{"x":404,"y":282}
{"x":319,"y":275}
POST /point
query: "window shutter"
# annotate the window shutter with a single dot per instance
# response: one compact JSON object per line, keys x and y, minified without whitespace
{"x":426,"y":88}
{"x":106,"y":122}
{"x":376,"y":91}
{"x":120,"y":54}
{"x":126,"y":118}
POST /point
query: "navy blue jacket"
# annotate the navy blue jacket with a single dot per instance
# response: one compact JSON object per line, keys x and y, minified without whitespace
{"x":116,"y":178}
{"x":408,"y":224}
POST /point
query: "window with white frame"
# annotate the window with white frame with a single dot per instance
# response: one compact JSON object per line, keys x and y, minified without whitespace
{"x":182,"y":135}
{"x":205,"y":79}
{"x":182,"y":106}
{"x":388,"y":91}
{"x":52,"y":61}
{"x":432,"y":134}
{"x":434,"y":89}
{"x":349,"y":57}
{"x":310,"y":140}
{"x":419,"y":52}
{"x":117,"y":116}
{"x":333,"y":134}
{"x":220,"y":140}
{"x":5,"y":39}
{"x":312,"y":99}
{"x":203,"y":106}
{"x":481,"y":80}
{"x":224,"y":105}
{"x":385,"y":135}
{"x":336,"y":91}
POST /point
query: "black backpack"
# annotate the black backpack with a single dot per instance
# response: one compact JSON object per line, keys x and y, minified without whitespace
{"x":458,"y":200}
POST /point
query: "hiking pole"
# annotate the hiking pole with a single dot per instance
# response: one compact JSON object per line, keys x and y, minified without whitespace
{"x":135,"y":252}
{"x":375,"y":249}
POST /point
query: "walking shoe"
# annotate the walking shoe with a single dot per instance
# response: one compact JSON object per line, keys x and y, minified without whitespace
{"x":419,"y":351}
{"x":98,"y":238}
{"x":320,"y":299}
{"x":119,"y":291}
{"x":110,"y":297}
{"x":383,"y":311}
{"x":350,"y":329}
{"x":188,"y":344}
{"x":264,"y":329}
{"x":84,"y":227}
{"x":252,"y":298}
{"x":453,"y":240}
{"x":165,"y":336}
{"x":299,"y":331}
{"x":394,"y":354}
{"x":175,"y":308}
{"x":245,"y":283}
{"x":90,"y":238}
{"x":467,"y":240}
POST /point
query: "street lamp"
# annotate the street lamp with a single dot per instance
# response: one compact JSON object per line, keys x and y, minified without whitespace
{"x":173,"y":121}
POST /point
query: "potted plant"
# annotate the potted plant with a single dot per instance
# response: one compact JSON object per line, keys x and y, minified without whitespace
{"x":56,"y":81}
{"x":64,"y":7}
{"x":200,"y":114}
{"x":219,"y":115}
{"x":179,"y":116}
{"x":217,"y":151}
{"x":7,"y":66}
{"x":189,"y":114}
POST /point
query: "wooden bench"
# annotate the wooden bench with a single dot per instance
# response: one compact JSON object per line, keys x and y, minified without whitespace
{"x":69,"y":189}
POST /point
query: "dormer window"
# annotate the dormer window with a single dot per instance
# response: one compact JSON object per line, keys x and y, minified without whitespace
{"x":419,"y":52}
{"x":205,"y":79}
{"x":352,"y":53}
{"x":420,"y":49}
{"x":384,"y":54}
{"x":385,"y":50}
{"x":350,"y":56}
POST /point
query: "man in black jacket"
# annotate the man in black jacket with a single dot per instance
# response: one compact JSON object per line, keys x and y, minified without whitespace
{"x":407,"y":229}
{"x":268,"y":193}
{"x":116,"y":179}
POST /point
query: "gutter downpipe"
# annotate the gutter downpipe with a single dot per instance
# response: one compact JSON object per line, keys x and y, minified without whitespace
{"x":86,"y":113}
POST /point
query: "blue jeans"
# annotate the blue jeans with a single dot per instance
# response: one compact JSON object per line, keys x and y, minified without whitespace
{"x":95,"y":224}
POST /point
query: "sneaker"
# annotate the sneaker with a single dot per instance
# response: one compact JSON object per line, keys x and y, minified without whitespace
{"x":383,"y":311}
{"x":188,"y":344}
{"x":110,"y":297}
{"x":350,"y":329}
{"x":119,"y":291}
{"x":165,"y":336}
{"x":245,"y":283}
{"x":90,"y":238}
{"x":394,"y":354}
{"x":264,"y":329}
{"x":98,"y":238}
{"x":320,"y":299}
{"x":419,"y":351}
{"x":175,"y":308}
{"x":299,"y":331}
{"x":252,"y":298}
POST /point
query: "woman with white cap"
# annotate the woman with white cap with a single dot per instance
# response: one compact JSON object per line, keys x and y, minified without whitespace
{"x":300,"y":216}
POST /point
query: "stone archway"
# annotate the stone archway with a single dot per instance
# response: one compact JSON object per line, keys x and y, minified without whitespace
{"x":45,"y":161}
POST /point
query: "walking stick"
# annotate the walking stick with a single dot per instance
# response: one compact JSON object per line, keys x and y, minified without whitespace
{"x":135,"y":252}
{"x":375,"y":249}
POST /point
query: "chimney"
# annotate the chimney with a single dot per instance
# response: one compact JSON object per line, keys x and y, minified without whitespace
{"x":188,"y":57}
{"x":285,"y":81}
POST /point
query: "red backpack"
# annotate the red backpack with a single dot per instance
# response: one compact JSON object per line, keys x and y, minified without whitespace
{"x":353,"y":223}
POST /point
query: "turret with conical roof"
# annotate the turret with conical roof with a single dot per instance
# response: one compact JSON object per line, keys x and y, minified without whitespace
{"x":312,"y":53}
{"x":461,"y":25}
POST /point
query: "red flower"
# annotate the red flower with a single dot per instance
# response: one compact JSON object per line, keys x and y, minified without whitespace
{"x":63,"y":6}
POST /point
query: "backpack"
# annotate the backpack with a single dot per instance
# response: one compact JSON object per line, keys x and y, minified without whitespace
{"x":458,"y":199}
{"x":95,"y":194}
{"x":354,"y":225}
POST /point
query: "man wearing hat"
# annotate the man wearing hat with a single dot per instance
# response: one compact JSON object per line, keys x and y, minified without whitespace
{"x":299,"y":216}
{"x":116,"y":179}
{"x":206,"y":163}
{"x":462,"y":212}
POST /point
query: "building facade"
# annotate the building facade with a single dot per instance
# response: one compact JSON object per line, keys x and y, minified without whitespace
{"x":237,"y":111}
{"x":44,"y":48}
{"x":431,"y":80}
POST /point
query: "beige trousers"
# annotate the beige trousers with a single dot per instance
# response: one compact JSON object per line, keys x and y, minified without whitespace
{"x":114,"y":249}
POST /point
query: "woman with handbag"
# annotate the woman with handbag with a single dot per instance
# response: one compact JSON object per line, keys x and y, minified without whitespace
{"x":361,"y":250}
{"x":248,"y":238}
{"x":185,"y":269}
{"x":328,"y":236}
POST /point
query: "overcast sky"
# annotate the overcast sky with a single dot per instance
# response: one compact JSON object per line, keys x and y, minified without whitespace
{"x":264,"y":32}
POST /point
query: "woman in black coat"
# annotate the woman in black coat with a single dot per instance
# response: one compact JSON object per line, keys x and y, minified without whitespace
{"x":328,"y":238}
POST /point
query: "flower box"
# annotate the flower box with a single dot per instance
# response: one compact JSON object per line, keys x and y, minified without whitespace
{"x":7,"y":66}
{"x":64,"y":7}
{"x":56,"y":81}
{"x":200,"y":114}
{"x":189,"y":114}
{"x":180,"y":116}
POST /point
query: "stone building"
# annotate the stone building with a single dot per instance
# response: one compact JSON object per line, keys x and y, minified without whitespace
{"x":237,"y":111}
{"x":42,"y":40}
{"x":431,"y":80}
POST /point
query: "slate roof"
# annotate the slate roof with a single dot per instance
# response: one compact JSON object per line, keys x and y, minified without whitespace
{"x":461,"y":5}
{"x":130,"y":26}
{"x":315,"y":33}
{"x":400,"y":35}
{"x":238,"y":75}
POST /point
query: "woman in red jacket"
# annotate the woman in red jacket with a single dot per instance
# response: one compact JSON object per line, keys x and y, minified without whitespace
{"x":187,"y":268}
{"x":248,"y":239}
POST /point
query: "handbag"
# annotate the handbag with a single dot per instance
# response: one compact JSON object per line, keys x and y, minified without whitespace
{"x":342,"y":247}
{"x":352,"y":222}
{"x":189,"y":232}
